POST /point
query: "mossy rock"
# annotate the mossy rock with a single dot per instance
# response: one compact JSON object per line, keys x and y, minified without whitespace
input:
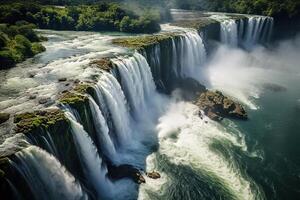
{"x":197,"y":24}
{"x":27,"y":122}
{"x":141,"y":42}
{"x":104,"y":63}
{"x":77,"y":96}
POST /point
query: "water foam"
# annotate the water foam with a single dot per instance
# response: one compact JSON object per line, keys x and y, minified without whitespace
{"x":185,"y":139}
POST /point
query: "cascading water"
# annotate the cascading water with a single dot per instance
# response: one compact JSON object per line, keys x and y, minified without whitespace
{"x":257,"y":31}
{"x":247,"y":33}
{"x":46,"y":177}
{"x":137,"y":80}
{"x":95,"y":171}
{"x":184,"y":56}
{"x":124,"y":112}
{"x":192,"y":54}
{"x":116,"y":103}
{"x":102,"y":129}
{"x":229,"y":32}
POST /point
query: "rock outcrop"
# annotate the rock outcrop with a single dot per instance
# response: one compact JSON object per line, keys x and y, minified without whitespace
{"x":217,"y":106}
{"x":125,"y":171}
{"x":104,"y":64}
{"x":4,"y":117}
{"x":153,"y":175}
{"x":28,"y":122}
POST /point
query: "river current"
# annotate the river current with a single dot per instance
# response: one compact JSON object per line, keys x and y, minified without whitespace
{"x":197,"y":158}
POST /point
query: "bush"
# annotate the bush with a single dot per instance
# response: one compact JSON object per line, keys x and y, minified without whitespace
{"x":6,"y":59}
{"x":3,"y":40}
{"x":23,"y":46}
{"x":37,"y":48}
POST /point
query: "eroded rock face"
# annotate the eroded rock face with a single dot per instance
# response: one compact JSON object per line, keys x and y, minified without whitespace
{"x":26,"y":122}
{"x":217,"y":106}
{"x":125,"y":171}
{"x":4,"y":117}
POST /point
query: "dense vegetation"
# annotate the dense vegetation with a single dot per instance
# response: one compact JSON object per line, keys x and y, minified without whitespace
{"x":18,"y":42}
{"x":275,"y":8}
{"x":98,"y":17}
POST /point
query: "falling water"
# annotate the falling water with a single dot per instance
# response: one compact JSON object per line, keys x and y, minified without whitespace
{"x":46,"y":177}
{"x":105,"y":141}
{"x":255,"y":30}
{"x":94,"y":169}
{"x":116,"y":104}
{"x":193,"y":53}
{"x":258,"y":30}
{"x":229,"y":32}
{"x":137,"y":80}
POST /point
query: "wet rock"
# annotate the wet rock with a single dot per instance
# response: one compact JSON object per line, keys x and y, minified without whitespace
{"x":43,"y":100}
{"x":77,"y":81}
{"x":104,"y":64}
{"x":125,"y":171}
{"x":217,"y":106}
{"x":62,"y":79}
{"x":4,"y":117}
{"x":46,"y":101}
{"x":29,"y":121}
{"x":214,"y":116}
{"x":32,"y":97}
{"x":153,"y":175}
{"x":31,"y":74}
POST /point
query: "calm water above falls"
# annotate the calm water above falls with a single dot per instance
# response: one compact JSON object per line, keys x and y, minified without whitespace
{"x":256,"y":159}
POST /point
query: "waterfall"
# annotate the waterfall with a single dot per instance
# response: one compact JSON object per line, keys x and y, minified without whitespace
{"x":137,"y":82}
{"x":229,"y":32}
{"x":174,"y":59}
{"x":255,"y":30}
{"x":94,"y":169}
{"x":45,"y":176}
{"x":116,"y":104}
{"x":193,"y":53}
{"x":105,"y":141}
{"x":258,"y":31}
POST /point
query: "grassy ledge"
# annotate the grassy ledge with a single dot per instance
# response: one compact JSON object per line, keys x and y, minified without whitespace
{"x":30,"y":121}
{"x":140,"y":42}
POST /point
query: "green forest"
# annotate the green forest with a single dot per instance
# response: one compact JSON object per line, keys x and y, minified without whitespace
{"x":19,"y":41}
{"x":275,"y":8}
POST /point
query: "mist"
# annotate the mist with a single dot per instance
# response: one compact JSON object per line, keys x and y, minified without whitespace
{"x":246,"y":75}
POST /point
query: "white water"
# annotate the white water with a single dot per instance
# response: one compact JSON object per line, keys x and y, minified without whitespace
{"x":255,"y":30}
{"x":185,"y":139}
{"x":137,"y":82}
{"x":94,"y":170}
{"x":193,"y":136}
{"x":229,"y":32}
{"x":102,"y":130}
{"x":258,"y":30}
{"x":116,"y":102}
{"x":46,"y":177}
{"x":192,"y":53}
